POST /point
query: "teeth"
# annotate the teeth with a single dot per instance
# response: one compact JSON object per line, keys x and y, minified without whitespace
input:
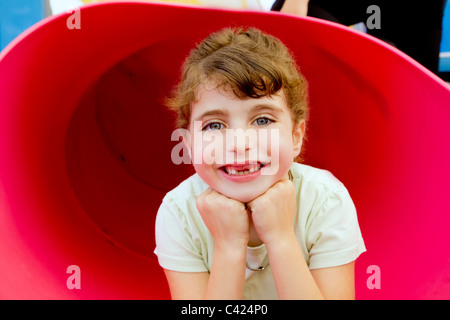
{"x":233,"y":172}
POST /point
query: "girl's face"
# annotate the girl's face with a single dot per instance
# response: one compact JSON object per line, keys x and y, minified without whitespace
{"x":241,"y":147}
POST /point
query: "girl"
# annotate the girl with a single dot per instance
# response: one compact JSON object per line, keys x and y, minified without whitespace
{"x":252,"y":223}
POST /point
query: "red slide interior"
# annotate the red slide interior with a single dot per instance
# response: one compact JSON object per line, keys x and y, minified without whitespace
{"x":85,"y":148}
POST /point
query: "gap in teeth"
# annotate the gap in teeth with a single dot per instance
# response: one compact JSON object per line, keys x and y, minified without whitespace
{"x":252,"y":169}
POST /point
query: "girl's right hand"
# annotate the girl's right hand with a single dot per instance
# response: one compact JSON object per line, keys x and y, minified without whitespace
{"x":227,"y":219}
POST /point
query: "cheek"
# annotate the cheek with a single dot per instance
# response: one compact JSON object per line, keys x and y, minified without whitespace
{"x":214,"y":150}
{"x":278,"y":147}
{"x":207,"y":149}
{"x":207,"y":173}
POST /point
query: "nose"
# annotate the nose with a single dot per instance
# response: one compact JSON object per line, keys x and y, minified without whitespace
{"x":240,"y":141}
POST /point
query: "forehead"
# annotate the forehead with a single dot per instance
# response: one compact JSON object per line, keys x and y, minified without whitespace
{"x":210,"y":97}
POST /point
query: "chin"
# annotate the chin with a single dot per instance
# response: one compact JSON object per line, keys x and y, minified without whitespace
{"x":244,"y":198}
{"x":245,"y":194}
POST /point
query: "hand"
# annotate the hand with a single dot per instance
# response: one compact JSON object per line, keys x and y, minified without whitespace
{"x":227,"y":219}
{"x":273,"y":212}
{"x":298,"y":7}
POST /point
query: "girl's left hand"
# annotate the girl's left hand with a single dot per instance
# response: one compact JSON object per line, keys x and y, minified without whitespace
{"x":273,"y":212}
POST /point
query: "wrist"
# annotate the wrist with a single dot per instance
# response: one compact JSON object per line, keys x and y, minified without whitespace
{"x":231,"y":257}
{"x":227,"y":274}
{"x":231,"y":247}
{"x":285,"y":240}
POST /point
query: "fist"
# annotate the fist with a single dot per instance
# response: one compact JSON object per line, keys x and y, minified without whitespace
{"x":227,"y":219}
{"x":273,"y":212}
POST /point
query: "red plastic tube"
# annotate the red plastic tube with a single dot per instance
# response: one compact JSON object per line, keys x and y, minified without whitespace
{"x":85,"y":149}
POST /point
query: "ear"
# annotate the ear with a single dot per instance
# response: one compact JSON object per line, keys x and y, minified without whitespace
{"x":298,"y":133}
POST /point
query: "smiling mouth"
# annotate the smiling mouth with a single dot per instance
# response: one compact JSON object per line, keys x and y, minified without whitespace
{"x":241,"y":170}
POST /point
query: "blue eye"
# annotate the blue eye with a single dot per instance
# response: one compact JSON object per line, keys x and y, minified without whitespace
{"x":213,"y":126}
{"x":263,"y":121}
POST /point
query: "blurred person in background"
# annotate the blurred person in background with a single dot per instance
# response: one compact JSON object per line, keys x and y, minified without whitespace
{"x":413,"y":29}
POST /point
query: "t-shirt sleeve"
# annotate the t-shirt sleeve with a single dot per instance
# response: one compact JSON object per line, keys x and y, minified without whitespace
{"x":175,"y":246}
{"x":334,"y":237}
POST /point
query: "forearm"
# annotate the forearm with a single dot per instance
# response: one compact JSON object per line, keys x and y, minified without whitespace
{"x":299,"y":7}
{"x":291,"y":274}
{"x":227,"y":276}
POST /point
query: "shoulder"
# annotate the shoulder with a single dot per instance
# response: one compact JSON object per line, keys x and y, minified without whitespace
{"x":321,"y":194}
{"x":311,"y":178}
{"x":186,"y":191}
{"x":180,"y":234}
{"x":327,"y":218}
{"x":179,"y":204}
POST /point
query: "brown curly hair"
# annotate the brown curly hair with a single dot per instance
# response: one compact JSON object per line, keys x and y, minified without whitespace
{"x":252,"y":63}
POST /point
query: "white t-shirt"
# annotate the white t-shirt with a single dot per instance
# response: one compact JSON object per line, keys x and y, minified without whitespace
{"x":326,"y":226}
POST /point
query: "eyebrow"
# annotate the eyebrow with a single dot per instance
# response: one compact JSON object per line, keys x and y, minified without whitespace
{"x":214,"y":112}
{"x":269,"y":107}
{"x":256,"y":108}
